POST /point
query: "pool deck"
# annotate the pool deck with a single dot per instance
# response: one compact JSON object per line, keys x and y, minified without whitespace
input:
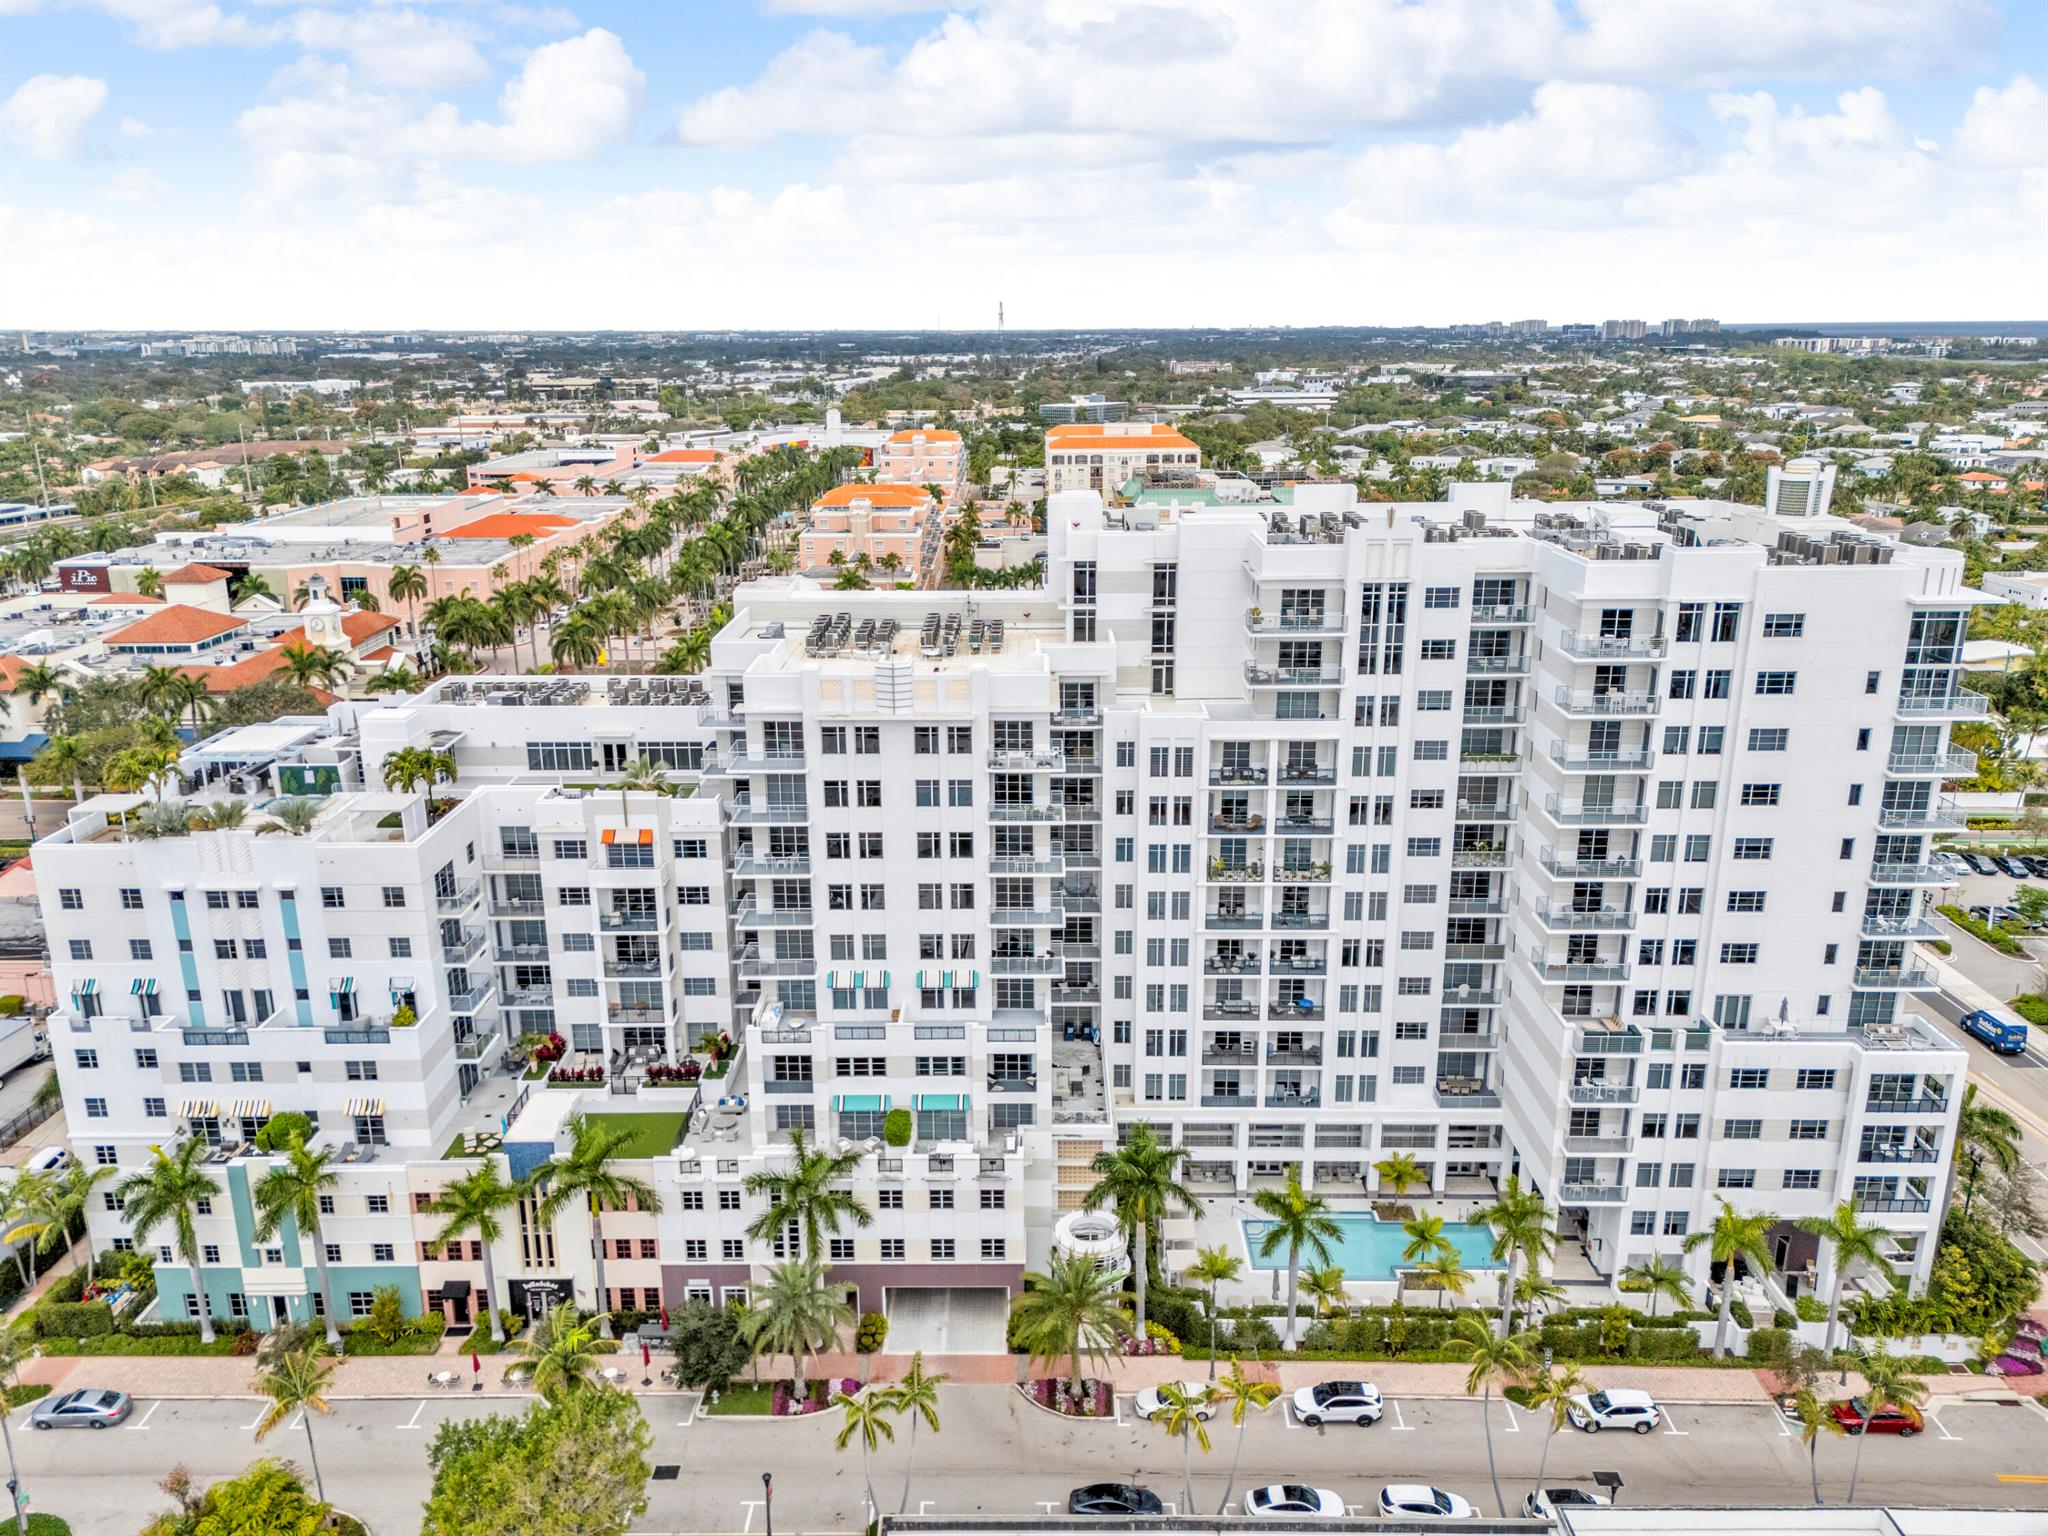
{"x":1221,"y":1225}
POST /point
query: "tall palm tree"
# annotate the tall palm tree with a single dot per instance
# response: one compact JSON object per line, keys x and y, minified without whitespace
{"x":473,"y":1203}
{"x":414,"y":769}
{"x":291,"y":1192}
{"x":69,"y":1198}
{"x":1325,"y":1288}
{"x":917,"y":1395}
{"x":169,"y":1191}
{"x":63,"y":757}
{"x":314,"y":665}
{"x":28,"y":1219}
{"x":1211,"y":1267}
{"x":145,"y":770}
{"x":1521,"y":1225}
{"x":591,"y":1174}
{"x":15,"y":1344}
{"x":1400,"y":1173}
{"x":1446,"y":1274}
{"x":1426,"y":1239}
{"x":296,"y":1382}
{"x":1985,"y":1134}
{"x":562,"y":1352}
{"x":641,"y":777}
{"x":1184,"y":1415}
{"x":1851,"y":1242}
{"x":576,"y":643}
{"x":1246,"y":1395}
{"x":407,"y":584}
{"x":1141,"y":1179}
{"x":805,"y":1194}
{"x":1069,"y":1310}
{"x":149,"y":582}
{"x":866,"y":1416}
{"x":1551,"y":1394}
{"x":1734,"y":1235}
{"x":1660,"y":1279}
{"x":1888,"y":1380}
{"x":39,"y":683}
{"x":794,"y":1314}
{"x":1814,"y":1418}
{"x":1494,"y":1362}
{"x":156,"y":685}
{"x":1299,"y":1222}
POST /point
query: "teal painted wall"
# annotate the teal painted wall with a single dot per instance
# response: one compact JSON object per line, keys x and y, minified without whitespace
{"x":174,"y":1285}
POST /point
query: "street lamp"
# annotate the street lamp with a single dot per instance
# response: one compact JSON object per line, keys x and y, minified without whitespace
{"x":768,"y":1500}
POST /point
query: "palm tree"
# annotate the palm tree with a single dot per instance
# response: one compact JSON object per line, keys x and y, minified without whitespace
{"x":590,"y":1173}
{"x":15,"y":1343}
{"x":576,"y":643}
{"x":865,"y":1417}
{"x":296,"y":1382}
{"x":472,"y":1204}
{"x":142,"y":770}
{"x":1400,"y":1172}
{"x":794,"y":1314}
{"x":1426,"y":1239}
{"x":291,"y":1191}
{"x":294,"y":814}
{"x":412,"y":769}
{"x":1141,"y":1179}
{"x":1815,"y":1418}
{"x":64,"y":757}
{"x":1985,"y":1133}
{"x":562,"y":1352}
{"x":1887,"y":1380}
{"x":1660,"y":1279}
{"x":1534,"y":1291}
{"x":156,"y":685}
{"x":640,"y":777}
{"x":917,"y":1395}
{"x":1521,"y":1224}
{"x":38,"y":683}
{"x":1069,"y":1310}
{"x":149,"y":582}
{"x":1301,"y":1223}
{"x":29,"y":1214}
{"x":1851,"y":1242}
{"x":1184,"y":1415}
{"x":1325,"y":1288}
{"x":170,"y":1191}
{"x":1494,"y":1361}
{"x":1734,"y":1235}
{"x":396,"y":678}
{"x":1551,"y":1394}
{"x":1446,"y":1274}
{"x":1246,"y":1395}
{"x":692,"y":653}
{"x":407,"y":584}
{"x":314,"y":665}
{"x":1211,"y":1267}
{"x":68,"y":1201}
{"x":220,"y":816}
{"x":805,"y":1195}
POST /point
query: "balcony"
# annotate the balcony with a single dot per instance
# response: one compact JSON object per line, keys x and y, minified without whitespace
{"x":518,"y":906}
{"x":1601,"y":1093}
{"x":507,"y":952}
{"x":738,"y":764}
{"x":1012,"y":1085}
{"x":1962,"y":704}
{"x":748,"y":915}
{"x":1453,"y":1094}
{"x":471,"y":1000}
{"x":1577,"y":813}
{"x":1499,"y":613}
{"x":757,"y":866}
{"x":1308,"y":773}
{"x":1494,"y":714}
{"x":753,"y":963}
{"x":1479,"y":856}
{"x":1577,"y":970}
{"x":1571,"y":867}
{"x":1941,"y":817}
{"x":1466,"y":1039}
{"x":362,"y":1033}
{"x":1611,"y":647}
{"x":1259,"y":676}
{"x":1315,"y":621}
{"x":1025,"y":917}
{"x":628,"y":922}
{"x":1914,"y":927}
{"x":1476,"y":763}
{"x":1572,"y":761}
{"x":1926,"y":1104}
{"x":1076,"y":992}
{"x":1605,"y":705}
{"x":635,"y":1013}
{"x":1024,"y":965}
{"x":1475,"y":951}
{"x":1485,"y":810}
{"x":460,"y":899}
{"x":1282,"y":1011}
{"x":1898,"y":1205}
{"x":1304,"y":1056}
{"x":1876,"y":978}
{"x":1240,"y":826}
{"x":1079,"y":716}
{"x":1029,"y":759}
{"x":1944,"y":765}
{"x":527,"y":997}
{"x":1227,"y":775}
{"x":1236,"y":874}
{"x":1230,"y":1012}
{"x":746,"y":814}
{"x":1315,"y":870}
{"x":1606,"y":1041}
{"x":1311,"y":922}
{"x":1495,"y":666}
{"x":1014,"y":864}
{"x":1909,"y":874}
{"x":1013,"y":813}
{"x":1296,"y":965}
{"x":1246,"y":1055}
{"x":1230,"y":965}
{"x":1598,"y":1146}
{"x":1887,"y":1152}
{"x":1592,"y":1194}
{"x":1304,"y":826}
{"x":640,"y":970}
{"x":1230,"y":1101}
{"x":474,"y":1047}
{"x":1310,"y":1100}
{"x":215,"y":1036}
{"x":790,"y":1086}
{"x":1579,"y":920}
{"x":469,"y":943}
{"x":1477,"y":906}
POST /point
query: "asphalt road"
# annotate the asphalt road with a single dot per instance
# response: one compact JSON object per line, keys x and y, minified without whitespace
{"x":998,"y":1454}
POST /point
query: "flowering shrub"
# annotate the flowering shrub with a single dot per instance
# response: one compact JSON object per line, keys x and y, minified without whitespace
{"x":1095,"y":1402}
{"x":576,"y":1075}
{"x":663,"y":1072}
{"x":553,"y":1048}
{"x":783,"y":1403}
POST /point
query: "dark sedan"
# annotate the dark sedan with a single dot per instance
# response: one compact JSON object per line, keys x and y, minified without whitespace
{"x":1114,"y":1499}
{"x":89,"y":1409}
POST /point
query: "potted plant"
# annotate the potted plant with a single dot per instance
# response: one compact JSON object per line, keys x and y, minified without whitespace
{"x":896,"y":1127}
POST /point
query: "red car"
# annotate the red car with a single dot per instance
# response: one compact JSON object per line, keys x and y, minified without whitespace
{"x":1854,"y":1415}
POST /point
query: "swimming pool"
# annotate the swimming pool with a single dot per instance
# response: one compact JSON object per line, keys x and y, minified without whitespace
{"x":1371,"y":1250}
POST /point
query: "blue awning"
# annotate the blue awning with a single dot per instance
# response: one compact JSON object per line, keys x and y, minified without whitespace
{"x":861,"y":1103}
{"x":342,"y":987}
{"x":142,"y":986}
{"x":942,"y":1101}
{"x":86,"y":988}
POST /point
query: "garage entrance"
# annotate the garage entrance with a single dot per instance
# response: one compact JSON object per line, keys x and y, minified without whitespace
{"x":947,"y":1320}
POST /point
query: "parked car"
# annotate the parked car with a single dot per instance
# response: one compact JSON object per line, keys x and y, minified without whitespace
{"x":1615,"y":1408}
{"x":90,"y":1408}
{"x":1420,"y":1501}
{"x":1150,"y":1404}
{"x":1544,"y":1503}
{"x":1114,"y":1499}
{"x":1979,"y":865}
{"x":49,"y":1160}
{"x":1293,"y":1499}
{"x":2037,"y":865}
{"x":2008,"y":865}
{"x":1339,"y":1402}
{"x":1854,"y":1415}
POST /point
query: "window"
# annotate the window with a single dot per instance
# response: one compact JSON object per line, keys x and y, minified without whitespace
{"x":1815,"y":1078}
{"x":1440,"y":597}
{"x":1808,"y":1130}
{"x":1735,"y":1178}
{"x":81,"y":949}
{"x":993,"y":1248}
{"x":1752,"y":849}
{"x":131,"y":898}
{"x":892,"y":1248}
{"x":1784,"y":626}
{"x":1742,"y":1130}
{"x":381,"y":1253}
{"x":1760,"y":794}
{"x":139,"y":949}
{"x":1802,"y":1178}
{"x":1776,"y":682}
{"x":332,"y":897}
{"x":1771,"y":740}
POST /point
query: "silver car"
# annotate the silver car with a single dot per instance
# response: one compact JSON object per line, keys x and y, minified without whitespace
{"x":92,"y":1408}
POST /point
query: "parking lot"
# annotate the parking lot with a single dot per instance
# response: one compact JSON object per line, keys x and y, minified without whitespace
{"x":996,"y":1453}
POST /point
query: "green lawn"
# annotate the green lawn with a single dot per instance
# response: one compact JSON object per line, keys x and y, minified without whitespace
{"x":744,"y":1401}
{"x":654,"y":1135}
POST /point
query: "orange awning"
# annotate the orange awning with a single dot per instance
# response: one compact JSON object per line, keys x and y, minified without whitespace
{"x":646,"y":836}
{"x":606,"y":837}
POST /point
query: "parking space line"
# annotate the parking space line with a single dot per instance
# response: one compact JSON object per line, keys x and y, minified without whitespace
{"x":1934,"y":1418}
{"x":250,"y":1427}
{"x":749,"y":1505}
{"x":1514,"y":1424}
{"x":1671,"y":1424}
{"x":1399,"y":1422}
{"x":696,"y":1402}
{"x":1784,"y":1425}
{"x":143,"y":1422}
{"x":414,"y":1421}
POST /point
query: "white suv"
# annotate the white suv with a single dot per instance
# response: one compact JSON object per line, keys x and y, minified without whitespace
{"x":1339,"y":1402}
{"x":1615,"y":1408}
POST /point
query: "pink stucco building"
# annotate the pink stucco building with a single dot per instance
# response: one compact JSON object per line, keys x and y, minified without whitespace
{"x":878,"y":521}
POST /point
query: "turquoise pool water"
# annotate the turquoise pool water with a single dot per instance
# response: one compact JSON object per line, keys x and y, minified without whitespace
{"x":1371,"y":1250}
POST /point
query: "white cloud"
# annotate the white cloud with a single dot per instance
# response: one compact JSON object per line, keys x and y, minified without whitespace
{"x":572,"y":99}
{"x":47,"y":114}
{"x":1730,"y":40}
{"x":184,"y":23}
{"x":395,"y":47}
{"x":2006,"y":128}
{"x":134,"y":128}
{"x":136,"y":184}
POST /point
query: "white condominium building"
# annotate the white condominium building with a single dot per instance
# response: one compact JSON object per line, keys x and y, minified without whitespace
{"x":1586,"y":844}
{"x":1102,"y":456}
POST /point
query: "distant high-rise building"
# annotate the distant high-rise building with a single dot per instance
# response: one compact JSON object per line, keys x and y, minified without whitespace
{"x":1527,"y":327}
{"x":1622,"y":330}
{"x":1801,"y":488}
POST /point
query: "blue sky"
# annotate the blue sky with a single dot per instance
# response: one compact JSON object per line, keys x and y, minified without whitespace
{"x":818,"y":163}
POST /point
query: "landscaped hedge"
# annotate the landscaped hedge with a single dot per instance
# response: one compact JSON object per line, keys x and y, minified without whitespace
{"x":1997,"y":938}
{"x":132,"y":1344}
{"x":72,"y":1319}
{"x":2032,"y":1007}
{"x":1770,"y":1346}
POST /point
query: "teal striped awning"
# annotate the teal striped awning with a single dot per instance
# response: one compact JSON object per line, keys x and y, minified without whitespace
{"x":862,"y":1103}
{"x":342,"y":987}
{"x":142,"y":986}
{"x":944,"y":1101}
{"x":86,"y":988}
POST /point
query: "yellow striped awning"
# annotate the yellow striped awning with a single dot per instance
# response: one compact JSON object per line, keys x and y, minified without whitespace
{"x":250,"y":1109}
{"x":199,"y":1109}
{"x":364,"y":1108}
